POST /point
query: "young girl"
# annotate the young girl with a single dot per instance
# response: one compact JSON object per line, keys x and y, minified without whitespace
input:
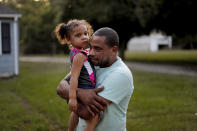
{"x":76,"y":34}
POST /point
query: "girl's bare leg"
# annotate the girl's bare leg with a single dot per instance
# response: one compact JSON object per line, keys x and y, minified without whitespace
{"x":91,"y":124}
{"x":73,"y":121}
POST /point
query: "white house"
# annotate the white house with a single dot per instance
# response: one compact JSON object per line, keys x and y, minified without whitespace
{"x":9,"y":41}
{"x":152,"y":42}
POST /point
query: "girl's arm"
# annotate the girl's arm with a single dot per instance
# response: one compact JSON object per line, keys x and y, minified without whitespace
{"x":77,"y":64}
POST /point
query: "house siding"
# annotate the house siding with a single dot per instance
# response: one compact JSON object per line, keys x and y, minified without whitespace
{"x":7,"y":60}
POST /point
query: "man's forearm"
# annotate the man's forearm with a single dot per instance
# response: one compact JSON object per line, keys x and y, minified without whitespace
{"x":63,"y":87}
{"x":63,"y":90}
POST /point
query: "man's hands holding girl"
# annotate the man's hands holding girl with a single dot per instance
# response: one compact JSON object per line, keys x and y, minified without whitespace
{"x":93,"y":102}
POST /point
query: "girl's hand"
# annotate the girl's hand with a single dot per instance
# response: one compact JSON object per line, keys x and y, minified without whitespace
{"x":72,"y":105}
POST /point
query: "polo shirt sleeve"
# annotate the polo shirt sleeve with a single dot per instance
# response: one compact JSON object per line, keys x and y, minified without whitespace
{"x":116,"y":86}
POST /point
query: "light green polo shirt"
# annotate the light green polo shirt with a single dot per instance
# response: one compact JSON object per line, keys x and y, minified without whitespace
{"x":118,"y":88}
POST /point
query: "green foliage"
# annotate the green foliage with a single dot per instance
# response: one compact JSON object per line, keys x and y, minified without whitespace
{"x":176,"y":17}
{"x":128,"y":17}
{"x":160,"y":102}
{"x":39,"y":24}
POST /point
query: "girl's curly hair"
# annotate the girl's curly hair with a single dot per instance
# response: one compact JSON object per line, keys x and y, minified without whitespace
{"x":63,"y":31}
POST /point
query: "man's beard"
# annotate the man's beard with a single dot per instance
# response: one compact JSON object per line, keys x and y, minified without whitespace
{"x":104,"y":63}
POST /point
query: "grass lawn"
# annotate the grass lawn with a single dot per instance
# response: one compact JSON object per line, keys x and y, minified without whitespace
{"x":181,"y":57}
{"x":160,"y":102}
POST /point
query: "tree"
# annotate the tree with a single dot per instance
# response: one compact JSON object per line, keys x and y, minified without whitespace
{"x":36,"y":25}
{"x":176,"y":18}
{"x":127,"y":17}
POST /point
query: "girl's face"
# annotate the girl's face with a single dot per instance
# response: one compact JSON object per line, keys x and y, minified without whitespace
{"x":79,"y":37}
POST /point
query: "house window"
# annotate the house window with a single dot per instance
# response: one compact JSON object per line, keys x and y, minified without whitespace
{"x":5,"y":38}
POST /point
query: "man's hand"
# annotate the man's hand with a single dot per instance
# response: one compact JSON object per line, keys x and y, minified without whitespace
{"x":90,"y":98}
{"x":82,"y":111}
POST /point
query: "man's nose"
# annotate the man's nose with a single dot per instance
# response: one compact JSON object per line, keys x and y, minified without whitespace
{"x":91,"y":52}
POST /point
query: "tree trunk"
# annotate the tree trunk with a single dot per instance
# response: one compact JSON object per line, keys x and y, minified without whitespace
{"x":121,"y":51}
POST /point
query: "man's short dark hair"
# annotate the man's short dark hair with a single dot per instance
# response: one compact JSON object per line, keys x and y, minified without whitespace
{"x":111,"y":36}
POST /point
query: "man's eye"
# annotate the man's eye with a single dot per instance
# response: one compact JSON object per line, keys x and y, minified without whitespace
{"x":98,"y":49}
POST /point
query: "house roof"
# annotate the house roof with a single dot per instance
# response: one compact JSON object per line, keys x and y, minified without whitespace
{"x":8,"y":12}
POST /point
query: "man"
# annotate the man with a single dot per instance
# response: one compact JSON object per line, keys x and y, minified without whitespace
{"x":116,"y":78}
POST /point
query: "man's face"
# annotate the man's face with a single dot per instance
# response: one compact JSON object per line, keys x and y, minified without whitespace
{"x":100,"y":53}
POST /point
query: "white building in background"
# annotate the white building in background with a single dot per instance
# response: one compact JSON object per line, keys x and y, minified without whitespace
{"x":152,"y":43}
{"x":9,"y":41}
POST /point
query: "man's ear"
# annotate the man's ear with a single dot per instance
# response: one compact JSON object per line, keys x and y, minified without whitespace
{"x":115,"y":49}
